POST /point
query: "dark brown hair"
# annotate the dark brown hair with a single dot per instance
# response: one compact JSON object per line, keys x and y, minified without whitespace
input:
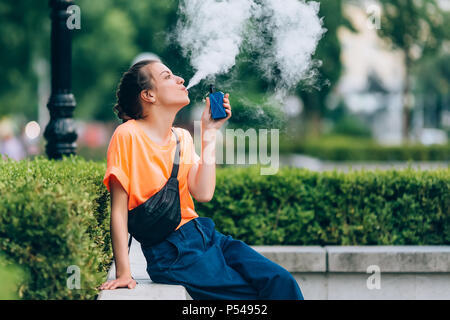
{"x":133,"y":81}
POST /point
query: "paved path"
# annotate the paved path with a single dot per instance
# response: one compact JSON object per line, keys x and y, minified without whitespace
{"x":311,"y":163}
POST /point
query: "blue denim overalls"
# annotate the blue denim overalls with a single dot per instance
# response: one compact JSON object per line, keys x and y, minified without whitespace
{"x":212,"y":266}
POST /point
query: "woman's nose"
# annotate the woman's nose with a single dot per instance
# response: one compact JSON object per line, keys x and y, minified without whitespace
{"x":180,"y":80}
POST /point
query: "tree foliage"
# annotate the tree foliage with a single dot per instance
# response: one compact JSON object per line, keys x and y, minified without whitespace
{"x":418,"y":28}
{"x":329,"y":52}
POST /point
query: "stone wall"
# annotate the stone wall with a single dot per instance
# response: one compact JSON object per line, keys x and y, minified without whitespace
{"x":330,"y":272}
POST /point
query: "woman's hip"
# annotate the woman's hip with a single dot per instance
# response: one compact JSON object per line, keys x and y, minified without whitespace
{"x":183,"y":246}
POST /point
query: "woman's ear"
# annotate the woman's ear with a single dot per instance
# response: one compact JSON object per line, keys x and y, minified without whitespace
{"x":148,"y":96}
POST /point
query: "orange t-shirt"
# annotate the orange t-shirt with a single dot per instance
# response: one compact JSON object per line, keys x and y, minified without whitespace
{"x":143,"y":167}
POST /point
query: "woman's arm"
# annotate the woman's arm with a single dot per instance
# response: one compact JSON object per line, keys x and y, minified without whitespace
{"x":119,"y":237}
{"x":202,"y":175}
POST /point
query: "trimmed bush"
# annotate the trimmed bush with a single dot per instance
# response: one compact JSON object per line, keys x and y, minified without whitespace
{"x":302,"y":207}
{"x":11,"y":276}
{"x":53,"y":215}
{"x":341,"y":148}
{"x":56,"y":214}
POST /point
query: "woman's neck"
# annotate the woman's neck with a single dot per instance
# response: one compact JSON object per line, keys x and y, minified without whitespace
{"x":158,"y":124}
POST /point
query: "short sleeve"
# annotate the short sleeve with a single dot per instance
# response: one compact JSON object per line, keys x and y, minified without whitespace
{"x":117,"y":159}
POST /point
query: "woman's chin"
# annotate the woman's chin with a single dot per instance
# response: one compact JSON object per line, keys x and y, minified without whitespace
{"x":186,"y":102}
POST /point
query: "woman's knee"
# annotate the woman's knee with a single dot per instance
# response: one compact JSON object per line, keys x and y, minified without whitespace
{"x":284,"y":277}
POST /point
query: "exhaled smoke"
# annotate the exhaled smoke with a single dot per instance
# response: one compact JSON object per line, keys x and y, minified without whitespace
{"x":283,"y":33}
{"x":210,"y":33}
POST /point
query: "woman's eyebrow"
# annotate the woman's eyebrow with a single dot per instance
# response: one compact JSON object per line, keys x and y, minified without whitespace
{"x":164,"y":71}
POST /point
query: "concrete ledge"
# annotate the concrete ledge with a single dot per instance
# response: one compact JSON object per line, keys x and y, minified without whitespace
{"x":296,"y":258}
{"x":330,"y":272}
{"x":389,"y":258}
{"x":146,"y":290}
{"x":392,"y":286}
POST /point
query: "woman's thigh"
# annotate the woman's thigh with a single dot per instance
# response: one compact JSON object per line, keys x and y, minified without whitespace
{"x":194,"y":260}
{"x":271,"y":280}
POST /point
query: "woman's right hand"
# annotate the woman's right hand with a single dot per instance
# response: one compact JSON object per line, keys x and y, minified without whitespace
{"x":120,"y":282}
{"x":207,"y":122}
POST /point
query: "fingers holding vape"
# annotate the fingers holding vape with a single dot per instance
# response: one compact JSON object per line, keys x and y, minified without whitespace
{"x":227,"y":105}
{"x":208,"y":121}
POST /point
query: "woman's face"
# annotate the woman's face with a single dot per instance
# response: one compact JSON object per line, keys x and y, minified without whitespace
{"x":169,"y":88}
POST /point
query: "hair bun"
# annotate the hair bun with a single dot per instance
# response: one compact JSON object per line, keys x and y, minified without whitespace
{"x":120,"y":113}
{"x":132,"y":82}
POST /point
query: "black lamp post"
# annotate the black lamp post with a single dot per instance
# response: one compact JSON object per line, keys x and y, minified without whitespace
{"x":60,"y":132}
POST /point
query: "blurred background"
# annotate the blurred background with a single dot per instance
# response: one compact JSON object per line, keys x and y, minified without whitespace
{"x":383,"y":62}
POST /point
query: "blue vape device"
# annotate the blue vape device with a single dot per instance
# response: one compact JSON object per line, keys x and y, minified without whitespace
{"x":216,"y":104}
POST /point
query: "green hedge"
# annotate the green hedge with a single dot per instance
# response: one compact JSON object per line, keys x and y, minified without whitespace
{"x":11,"y":275}
{"x":302,"y":207}
{"x":54,"y":214}
{"x":341,"y":148}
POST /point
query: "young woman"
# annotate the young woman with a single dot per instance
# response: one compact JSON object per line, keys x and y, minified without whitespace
{"x":140,"y":156}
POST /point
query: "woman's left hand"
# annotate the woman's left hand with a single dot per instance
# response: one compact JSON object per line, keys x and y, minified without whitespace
{"x":210,"y":123}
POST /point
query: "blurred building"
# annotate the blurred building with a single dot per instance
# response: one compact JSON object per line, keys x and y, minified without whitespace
{"x":372,"y":82}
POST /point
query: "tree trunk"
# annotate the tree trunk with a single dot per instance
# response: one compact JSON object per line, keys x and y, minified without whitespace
{"x":407,"y":105}
{"x":316,"y":123}
{"x":312,"y":115}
